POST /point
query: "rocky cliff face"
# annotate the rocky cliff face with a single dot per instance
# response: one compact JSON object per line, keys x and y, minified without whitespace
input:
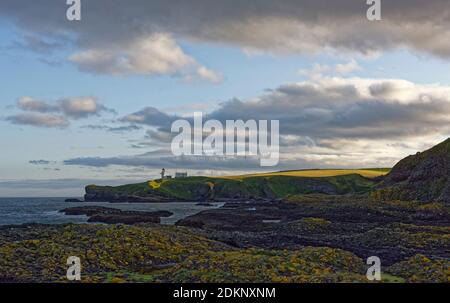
{"x":424,"y":177}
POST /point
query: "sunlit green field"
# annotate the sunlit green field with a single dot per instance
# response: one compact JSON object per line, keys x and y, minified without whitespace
{"x":317,"y":173}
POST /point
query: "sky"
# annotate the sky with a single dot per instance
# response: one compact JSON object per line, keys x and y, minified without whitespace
{"x":92,"y":101}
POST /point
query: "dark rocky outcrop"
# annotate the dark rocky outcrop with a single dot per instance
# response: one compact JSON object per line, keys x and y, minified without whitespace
{"x":119,"y":194}
{"x":116,"y":216}
{"x":205,"y":204}
{"x":424,"y":177}
{"x":73,"y":200}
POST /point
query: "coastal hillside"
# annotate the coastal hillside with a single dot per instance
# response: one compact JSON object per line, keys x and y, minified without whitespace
{"x":263,"y":186}
{"x":424,"y":177}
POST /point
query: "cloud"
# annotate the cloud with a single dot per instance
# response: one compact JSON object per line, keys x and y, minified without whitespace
{"x":346,"y":68}
{"x":159,"y":136}
{"x":333,"y":107}
{"x":112,"y":129}
{"x":324,"y":122}
{"x":209,"y":75}
{"x":156,"y":54}
{"x":39,"y":162}
{"x":29,"y":104}
{"x":114,"y":35}
{"x":56,"y":114}
{"x":162,"y":159}
{"x":189,"y":108}
{"x":80,"y":107}
{"x":318,"y":71}
{"x":150,"y":116}
{"x":39,"y":120}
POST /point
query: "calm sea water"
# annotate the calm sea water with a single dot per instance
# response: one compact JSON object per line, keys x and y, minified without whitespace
{"x":46,"y":210}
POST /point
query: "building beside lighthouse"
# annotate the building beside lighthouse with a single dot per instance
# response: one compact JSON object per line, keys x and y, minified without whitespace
{"x":181,"y":175}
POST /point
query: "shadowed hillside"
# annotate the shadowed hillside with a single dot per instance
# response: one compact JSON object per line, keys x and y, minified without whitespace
{"x":424,"y":177}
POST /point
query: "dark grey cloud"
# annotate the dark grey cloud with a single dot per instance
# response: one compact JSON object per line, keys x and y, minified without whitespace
{"x":150,"y":116}
{"x":113,"y":129}
{"x":166,"y":160}
{"x":106,"y":41}
{"x":122,"y":37}
{"x":141,"y":145}
{"x":159,"y":136}
{"x":348,"y":108}
{"x":51,"y":169}
{"x":39,"y":162}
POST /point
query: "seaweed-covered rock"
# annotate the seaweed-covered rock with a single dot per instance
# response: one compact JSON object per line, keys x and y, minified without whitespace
{"x":115,"y":216}
{"x":392,"y":230}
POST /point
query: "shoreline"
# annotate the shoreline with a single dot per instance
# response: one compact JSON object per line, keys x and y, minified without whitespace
{"x":319,"y":232}
{"x":47,"y":211}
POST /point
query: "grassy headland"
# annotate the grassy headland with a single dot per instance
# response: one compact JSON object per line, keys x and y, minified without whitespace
{"x":276,"y":185}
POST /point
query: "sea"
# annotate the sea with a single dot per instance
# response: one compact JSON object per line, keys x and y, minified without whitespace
{"x":15,"y":211}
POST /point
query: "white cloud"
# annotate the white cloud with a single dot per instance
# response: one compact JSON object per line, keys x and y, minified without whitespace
{"x":156,"y":54}
{"x":209,"y":75}
{"x":346,"y":68}
{"x":318,"y":71}
{"x":80,"y":107}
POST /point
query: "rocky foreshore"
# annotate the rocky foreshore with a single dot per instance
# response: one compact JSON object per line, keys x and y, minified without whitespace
{"x":301,"y":239}
{"x":394,"y":230}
